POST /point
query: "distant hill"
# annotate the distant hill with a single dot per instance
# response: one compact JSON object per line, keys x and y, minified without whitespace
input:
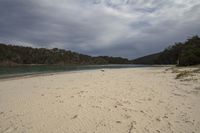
{"x":149,"y":59}
{"x":14,"y":55}
{"x":182,"y":54}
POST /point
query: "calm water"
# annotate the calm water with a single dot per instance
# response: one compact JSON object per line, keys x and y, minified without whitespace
{"x":6,"y":72}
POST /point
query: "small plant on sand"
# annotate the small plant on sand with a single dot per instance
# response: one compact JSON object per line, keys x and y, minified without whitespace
{"x":172,"y":69}
{"x":183,"y":74}
{"x":196,"y":70}
{"x":197,"y":88}
{"x":175,"y":71}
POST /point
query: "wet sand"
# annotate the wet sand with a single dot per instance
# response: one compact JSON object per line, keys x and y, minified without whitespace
{"x":132,"y":100}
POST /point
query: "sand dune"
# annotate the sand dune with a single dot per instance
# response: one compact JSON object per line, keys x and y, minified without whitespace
{"x":134,"y":100}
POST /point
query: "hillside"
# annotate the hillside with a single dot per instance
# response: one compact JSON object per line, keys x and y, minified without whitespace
{"x":182,"y":54}
{"x":13,"y":55}
{"x":149,"y":59}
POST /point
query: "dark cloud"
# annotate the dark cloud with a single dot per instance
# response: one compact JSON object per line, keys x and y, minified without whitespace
{"x":127,"y":28}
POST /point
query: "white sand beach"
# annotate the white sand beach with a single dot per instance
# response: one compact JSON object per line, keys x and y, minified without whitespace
{"x":133,"y":100}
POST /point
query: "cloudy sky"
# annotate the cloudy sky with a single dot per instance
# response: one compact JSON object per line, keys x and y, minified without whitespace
{"x":127,"y":28}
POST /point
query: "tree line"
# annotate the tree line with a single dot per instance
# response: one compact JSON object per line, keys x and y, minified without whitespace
{"x":183,"y":54}
{"x":15,"y":55}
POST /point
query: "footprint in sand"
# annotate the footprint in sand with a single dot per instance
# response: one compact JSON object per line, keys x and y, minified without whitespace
{"x":1,"y":113}
{"x":146,"y":130}
{"x":160,"y":101}
{"x":126,"y":116}
{"x":60,"y":88}
{"x":126,"y":102}
{"x":149,"y":99}
{"x":119,"y":122}
{"x":195,"y":92}
{"x":86,"y":85}
{"x":170,"y":127}
{"x":197,"y":88}
{"x":80,"y":93}
{"x":142,"y":111}
{"x":165,"y":116}
{"x":138,"y":101}
{"x":118,"y":104}
{"x":97,"y":107}
{"x":158,"y":131}
{"x":180,"y":95}
{"x":131,"y":126}
{"x":100,"y":124}
{"x":74,"y":117}
{"x":158,"y":119}
{"x":129,"y":110}
{"x":58,"y":99}
{"x":58,"y":96}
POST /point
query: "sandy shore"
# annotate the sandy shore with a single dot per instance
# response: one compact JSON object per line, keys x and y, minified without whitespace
{"x":134,"y":100}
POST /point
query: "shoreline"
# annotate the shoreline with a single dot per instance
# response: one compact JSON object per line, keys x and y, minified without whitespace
{"x":28,"y":76}
{"x":36,"y":74}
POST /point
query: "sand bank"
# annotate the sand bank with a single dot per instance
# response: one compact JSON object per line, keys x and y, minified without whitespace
{"x":133,"y":100}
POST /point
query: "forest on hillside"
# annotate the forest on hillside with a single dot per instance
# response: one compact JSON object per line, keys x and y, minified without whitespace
{"x":183,"y":54}
{"x":15,"y":55}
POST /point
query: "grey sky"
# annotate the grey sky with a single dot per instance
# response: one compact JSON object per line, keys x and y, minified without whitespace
{"x":127,"y":28}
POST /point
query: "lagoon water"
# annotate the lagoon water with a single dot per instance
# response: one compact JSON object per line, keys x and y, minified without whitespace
{"x":14,"y":71}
